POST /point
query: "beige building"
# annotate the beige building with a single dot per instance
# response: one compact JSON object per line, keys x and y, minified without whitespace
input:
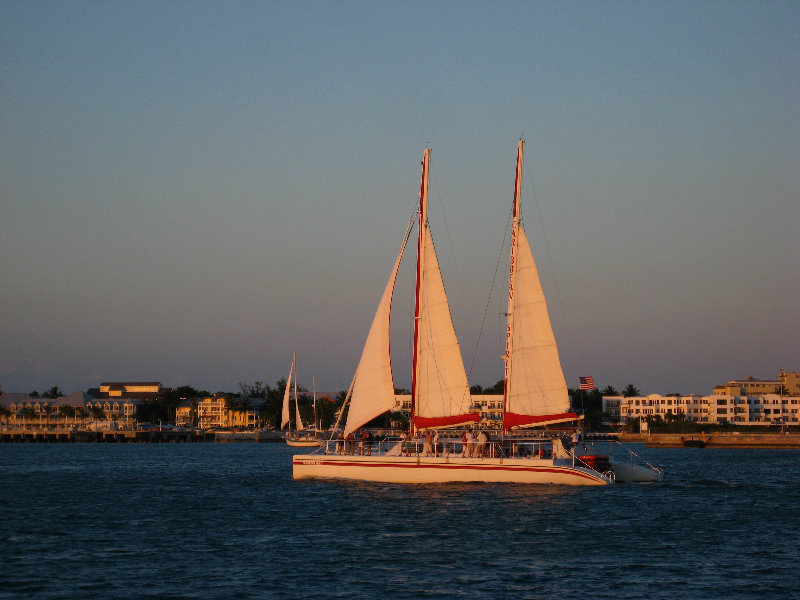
{"x":750,"y":386}
{"x":214,"y":412}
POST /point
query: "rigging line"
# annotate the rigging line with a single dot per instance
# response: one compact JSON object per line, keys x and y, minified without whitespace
{"x":459,"y":279}
{"x":491,"y":292}
{"x":551,"y":263}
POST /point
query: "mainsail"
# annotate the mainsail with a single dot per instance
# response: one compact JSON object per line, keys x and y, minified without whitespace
{"x":297,"y":420}
{"x":535,"y":388}
{"x":286,"y":395}
{"x":440,"y":392}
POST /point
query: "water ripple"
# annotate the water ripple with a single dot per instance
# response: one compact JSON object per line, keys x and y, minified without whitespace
{"x":227,"y":521}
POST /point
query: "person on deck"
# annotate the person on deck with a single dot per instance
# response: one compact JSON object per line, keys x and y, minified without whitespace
{"x":366,"y":442}
{"x":405,"y":445}
{"x":428,"y":441}
{"x":481,"y":443}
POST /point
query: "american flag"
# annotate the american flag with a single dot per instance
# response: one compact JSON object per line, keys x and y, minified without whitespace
{"x":587,"y":383}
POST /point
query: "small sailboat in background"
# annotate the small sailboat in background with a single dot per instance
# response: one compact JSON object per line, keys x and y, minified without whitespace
{"x":300,"y":438}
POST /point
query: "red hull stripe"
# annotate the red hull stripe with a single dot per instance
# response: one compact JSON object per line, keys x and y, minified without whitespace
{"x":563,"y":470}
{"x":514,"y":420}
{"x":423,"y":422}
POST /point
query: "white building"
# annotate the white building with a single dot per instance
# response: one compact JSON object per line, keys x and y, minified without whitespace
{"x":764,"y":410}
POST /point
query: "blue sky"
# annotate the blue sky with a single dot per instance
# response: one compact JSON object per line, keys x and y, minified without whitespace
{"x":192,"y":191}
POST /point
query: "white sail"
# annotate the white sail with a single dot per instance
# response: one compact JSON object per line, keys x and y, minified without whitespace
{"x":373,"y":384}
{"x":537,"y":385}
{"x":442,"y":391}
{"x":286,"y":395}
{"x":297,"y":420}
{"x":535,"y":388}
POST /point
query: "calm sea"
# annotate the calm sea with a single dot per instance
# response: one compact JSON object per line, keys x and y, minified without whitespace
{"x":227,"y":521}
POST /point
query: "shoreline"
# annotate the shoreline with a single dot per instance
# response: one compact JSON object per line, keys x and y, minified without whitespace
{"x":789,"y":441}
{"x":21,"y":435}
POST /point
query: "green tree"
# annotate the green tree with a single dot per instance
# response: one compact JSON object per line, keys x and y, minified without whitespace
{"x":68,"y":412}
{"x":162,"y":408}
{"x":53,"y":392}
{"x":590,"y":404}
{"x":609,"y":390}
{"x":27,"y":413}
{"x":48,"y":410}
{"x":630,"y":391}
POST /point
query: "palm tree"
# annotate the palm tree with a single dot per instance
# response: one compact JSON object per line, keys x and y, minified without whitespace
{"x":97,"y":412}
{"x":67,"y":412}
{"x":193,"y":412}
{"x":244,"y":406}
{"x":631,"y":391}
{"x":53,"y":392}
{"x":609,"y":390}
{"x":27,"y":412}
{"x":48,"y":408}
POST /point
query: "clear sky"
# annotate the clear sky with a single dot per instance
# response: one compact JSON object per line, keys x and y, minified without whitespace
{"x":192,"y":191}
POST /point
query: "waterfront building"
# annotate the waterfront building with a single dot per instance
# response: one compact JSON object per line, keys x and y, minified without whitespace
{"x":717,"y":409}
{"x":123,"y":410}
{"x":214,"y":412}
{"x":143,"y":390}
{"x":211,"y":412}
{"x":750,"y":386}
{"x":36,"y":411}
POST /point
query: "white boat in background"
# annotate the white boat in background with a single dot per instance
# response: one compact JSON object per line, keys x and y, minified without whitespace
{"x":299,"y":438}
{"x":535,"y":391}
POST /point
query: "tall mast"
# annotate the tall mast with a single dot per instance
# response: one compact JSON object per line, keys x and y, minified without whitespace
{"x":512,"y":274}
{"x":423,"y":225}
{"x":314,"y":388}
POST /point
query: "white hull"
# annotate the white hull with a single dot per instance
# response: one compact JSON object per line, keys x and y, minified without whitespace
{"x":303,"y":442}
{"x":631,"y":473}
{"x":417,"y":469}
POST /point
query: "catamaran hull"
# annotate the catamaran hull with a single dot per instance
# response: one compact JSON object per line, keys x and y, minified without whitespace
{"x":632,"y":473}
{"x":400,"y":469}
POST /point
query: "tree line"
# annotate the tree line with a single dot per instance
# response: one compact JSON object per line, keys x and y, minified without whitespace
{"x":269,"y":401}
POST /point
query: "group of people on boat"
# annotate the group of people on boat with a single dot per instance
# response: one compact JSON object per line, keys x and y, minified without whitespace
{"x":359,"y":442}
{"x":473,"y":444}
{"x":410,"y":445}
{"x":476,"y":446}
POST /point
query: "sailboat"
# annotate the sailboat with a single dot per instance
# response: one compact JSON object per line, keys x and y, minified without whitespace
{"x":300,"y":437}
{"x":535,"y":392}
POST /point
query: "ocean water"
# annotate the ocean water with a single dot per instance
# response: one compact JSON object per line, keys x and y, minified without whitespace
{"x":227,"y":521}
